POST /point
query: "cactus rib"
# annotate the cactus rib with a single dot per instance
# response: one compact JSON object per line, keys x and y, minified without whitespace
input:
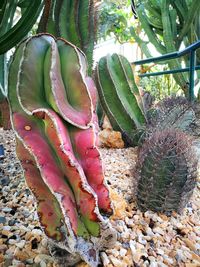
{"x":166,"y":170}
{"x":48,"y":209}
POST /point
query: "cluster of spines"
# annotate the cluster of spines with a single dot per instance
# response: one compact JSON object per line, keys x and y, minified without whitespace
{"x":166,"y":171}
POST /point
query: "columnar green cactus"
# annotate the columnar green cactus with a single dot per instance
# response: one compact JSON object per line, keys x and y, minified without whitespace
{"x":166,"y":170}
{"x":73,"y":20}
{"x":53,"y":115}
{"x":119,"y":95}
{"x":10,"y":35}
{"x":168,"y":25}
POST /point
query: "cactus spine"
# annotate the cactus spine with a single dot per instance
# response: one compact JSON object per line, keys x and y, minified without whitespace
{"x":172,"y":112}
{"x":166,"y":170}
{"x":52,"y":116}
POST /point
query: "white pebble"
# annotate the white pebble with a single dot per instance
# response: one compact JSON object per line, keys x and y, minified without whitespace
{"x":122,"y":252}
{"x":158,"y":230}
{"x":115,"y":253}
{"x":141,"y":240}
{"x":43,"y":264}
{"x":116,"y":262}
{"x":21,"y":244}
{"x":37,"y":232}
{"x":105,"y":259}
{"x":12,"y":241}
{"x":7,"y":228}
{"x":160,"y":251}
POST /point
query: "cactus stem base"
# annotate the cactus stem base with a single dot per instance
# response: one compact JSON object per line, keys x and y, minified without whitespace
{"x":62,"y":257}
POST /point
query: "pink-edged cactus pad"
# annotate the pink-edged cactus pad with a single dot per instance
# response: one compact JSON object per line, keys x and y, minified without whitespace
{"x":53,"y":110}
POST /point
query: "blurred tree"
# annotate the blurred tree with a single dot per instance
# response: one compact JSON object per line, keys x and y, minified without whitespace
{"x":115,"y":20}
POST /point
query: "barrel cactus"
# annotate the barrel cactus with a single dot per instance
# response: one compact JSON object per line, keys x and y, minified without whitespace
{"x":171,"y":112}
{"x":53,"y":115}
{"x":166,"y":171}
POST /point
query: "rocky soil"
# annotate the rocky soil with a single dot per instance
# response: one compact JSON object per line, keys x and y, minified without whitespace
{"x":144,"y":239}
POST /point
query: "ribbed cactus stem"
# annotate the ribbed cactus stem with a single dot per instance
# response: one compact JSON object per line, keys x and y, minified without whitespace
{"x":49,"y":93}
{"x":166,"y":169}
{"x":119,"y":94}
{"x":73,"y":20}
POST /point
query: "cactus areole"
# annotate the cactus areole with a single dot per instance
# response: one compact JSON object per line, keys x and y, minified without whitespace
{"x":53,"y":115}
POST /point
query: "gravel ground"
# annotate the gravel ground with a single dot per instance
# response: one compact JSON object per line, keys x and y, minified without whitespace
{"x":144,"y":239}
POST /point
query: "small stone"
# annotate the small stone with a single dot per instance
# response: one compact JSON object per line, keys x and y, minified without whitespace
{"x":7,"y":228}
{"x":115,"y":252}
{"x":30,"y":261}
{"x":190,"y":244}
{"x":196,"y":257}
{"x":142,"y":240}
{"x":43,"y":264}
{"x":149,"y":232}
{"x":43,"y":257}
{"x":8,"y":261}
{"x":112,"y":139}
{"x":153,"y":264}
{"x":17,"y":263}
{"x":191,"y":265}
{"x":158,"y":230}
{"x":37,"y":232}
{"x":21,"y":255}
{"x":11,"y":222}
{"x":105,"y":259}
{"x":12,"y":241}
{"x":4,"y":181}
{"x":21,"y":244}
{"x":6,"y":233}
{"x":180,"y":256}
{"x":6,"y":210}
{"x":161,"y":264}
{"x":3,"y":248}
{"x":160,"y":251}
{"x":116,"y":262}
{"x":2,"y":219}
{"x":122,"y":252}
{"x":1,"y":258}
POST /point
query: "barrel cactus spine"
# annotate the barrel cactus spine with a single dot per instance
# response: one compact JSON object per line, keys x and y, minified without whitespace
{"x":171,"y":112}
{"x":47,"y":82}
{"x":166,"y":170}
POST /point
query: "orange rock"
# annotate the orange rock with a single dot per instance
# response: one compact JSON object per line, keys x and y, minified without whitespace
{"x":21,"y":255}
{"x":111,"y":139}
{"x":196,"y":257}
{"x":6,"y":233}
{"x":119,"y":204}
{"x":189,"y":244}
{"x":191,"y":265}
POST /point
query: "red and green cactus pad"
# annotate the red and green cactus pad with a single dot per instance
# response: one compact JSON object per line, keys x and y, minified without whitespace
{"x":53,"y":115}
